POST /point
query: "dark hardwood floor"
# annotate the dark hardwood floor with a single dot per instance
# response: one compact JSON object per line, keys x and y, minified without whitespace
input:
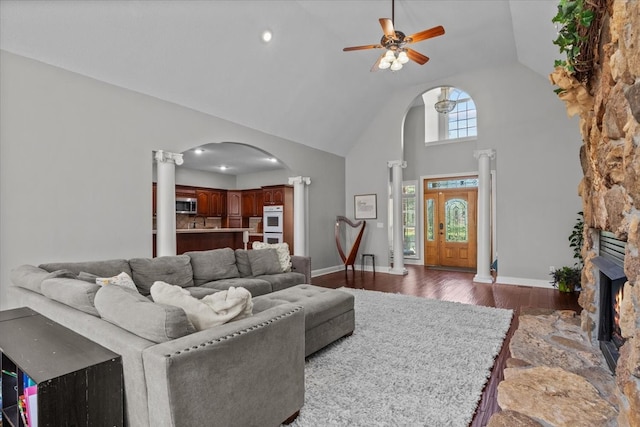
{"x":459,"y":286}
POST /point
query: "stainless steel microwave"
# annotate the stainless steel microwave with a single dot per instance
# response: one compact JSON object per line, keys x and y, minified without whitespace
{"x":186,"y":205}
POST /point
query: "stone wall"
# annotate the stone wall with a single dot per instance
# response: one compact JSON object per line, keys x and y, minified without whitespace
{"x":610,"y":189}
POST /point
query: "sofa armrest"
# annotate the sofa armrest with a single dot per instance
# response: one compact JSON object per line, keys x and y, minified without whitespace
{"x":243,"y":373}
{"x":302,"y":264}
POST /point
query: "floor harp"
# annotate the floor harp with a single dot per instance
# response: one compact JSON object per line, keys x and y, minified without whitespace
{"x":349,"y":259}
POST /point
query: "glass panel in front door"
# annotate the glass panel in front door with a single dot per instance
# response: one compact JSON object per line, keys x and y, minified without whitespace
{"x":456,"y":214}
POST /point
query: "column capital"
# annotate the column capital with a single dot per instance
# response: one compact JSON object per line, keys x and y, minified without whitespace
{"x":166,"y":156}
{"x":490,"y":153}
{"x":392,"y":163}
{"x":299,"y":180}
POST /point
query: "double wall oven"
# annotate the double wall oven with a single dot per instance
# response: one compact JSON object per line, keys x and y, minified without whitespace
{"x":272,"y":221}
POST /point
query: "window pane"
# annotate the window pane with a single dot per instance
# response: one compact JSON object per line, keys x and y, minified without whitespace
{"x":453,"y":183}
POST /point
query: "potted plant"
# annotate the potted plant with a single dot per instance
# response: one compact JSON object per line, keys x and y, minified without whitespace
{"x":567,"y":279}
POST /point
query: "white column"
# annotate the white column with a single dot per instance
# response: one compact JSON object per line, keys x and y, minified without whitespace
{"x":398,"y":238}
{"x":300,"y":231}
{"x":483,"y":274}
{"x":166,"y":202}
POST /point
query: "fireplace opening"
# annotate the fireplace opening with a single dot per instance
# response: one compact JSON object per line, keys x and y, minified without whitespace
{"x":611,"y":285}
{"x":609,"y":333}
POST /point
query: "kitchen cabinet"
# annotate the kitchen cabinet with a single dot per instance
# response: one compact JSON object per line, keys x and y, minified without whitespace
{"x":184,"y":191}
{"x":218,"y":203}
{"x":204,"y":199}
{"x":277,"y":195}
{"x":234,"y":203}
{"x":154,"y":199}
{"x":211,"y":202}
{"x":252,"y":201}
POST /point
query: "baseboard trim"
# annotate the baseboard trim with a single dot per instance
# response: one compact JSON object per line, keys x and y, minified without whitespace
{"x":522,"y":281}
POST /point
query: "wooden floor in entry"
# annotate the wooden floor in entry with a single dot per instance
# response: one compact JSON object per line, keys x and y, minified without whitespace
{"x":459,"y":286}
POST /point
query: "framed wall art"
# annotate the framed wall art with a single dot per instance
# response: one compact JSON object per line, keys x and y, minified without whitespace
{"x":366,"y":206}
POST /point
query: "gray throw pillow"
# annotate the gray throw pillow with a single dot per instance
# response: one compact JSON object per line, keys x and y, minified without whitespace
{"x":29,"y":277}
{"x":213,"y":265}
{"x":242,"y":262}
{"x":175,"y":270}
{"x":72,"y":292}
{"x":140,"y":316}
{"x":264,"y":261}
{"x":87,"y":277}
{"x":105,"y":268}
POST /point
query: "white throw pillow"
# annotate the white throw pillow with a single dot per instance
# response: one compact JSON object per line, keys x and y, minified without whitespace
{"x":212,"y":310}
{"x":283,"y":253}
{"x":122,"y":279}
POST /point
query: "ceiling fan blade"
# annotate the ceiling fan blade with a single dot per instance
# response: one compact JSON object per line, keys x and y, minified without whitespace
{"x":426,"y":34}
{"x":417,"y":57}
{"x":375,"y":66}
{"x":387,"y":27}
{"x":369,"y":46}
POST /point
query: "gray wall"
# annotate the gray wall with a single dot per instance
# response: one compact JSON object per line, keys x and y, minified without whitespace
{"x":537,"y":165}
{"x":76,"y":169}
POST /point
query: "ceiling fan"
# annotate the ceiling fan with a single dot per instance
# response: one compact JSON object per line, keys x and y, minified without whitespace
{"x":394,"y":42}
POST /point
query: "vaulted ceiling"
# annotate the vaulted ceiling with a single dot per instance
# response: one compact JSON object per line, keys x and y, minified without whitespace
{"x":209,"y":56}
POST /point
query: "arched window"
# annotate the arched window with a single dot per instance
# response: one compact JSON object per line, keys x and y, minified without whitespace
{"x":449,"y":115}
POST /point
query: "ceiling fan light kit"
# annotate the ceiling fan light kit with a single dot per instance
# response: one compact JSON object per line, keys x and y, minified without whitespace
{"x":394,"y":42}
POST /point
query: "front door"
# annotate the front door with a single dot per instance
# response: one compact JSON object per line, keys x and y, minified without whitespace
{"x":450,"y":226}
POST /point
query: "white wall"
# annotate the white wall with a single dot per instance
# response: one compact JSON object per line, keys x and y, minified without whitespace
{"x":537,"y":165}
{"x":76,"y":169}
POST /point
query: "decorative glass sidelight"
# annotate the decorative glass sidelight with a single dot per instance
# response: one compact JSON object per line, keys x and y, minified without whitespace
{"x":456,"y":215}
{"x":431,"y":220}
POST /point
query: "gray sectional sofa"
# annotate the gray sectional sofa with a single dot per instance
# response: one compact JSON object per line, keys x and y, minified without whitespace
{"x":248,"y":372}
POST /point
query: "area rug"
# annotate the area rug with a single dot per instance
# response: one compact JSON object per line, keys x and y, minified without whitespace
{"x":410,"y":362}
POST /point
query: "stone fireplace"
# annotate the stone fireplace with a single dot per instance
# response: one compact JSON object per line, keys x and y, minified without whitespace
{"x":558,"y":375}
{"x":610,"y":190}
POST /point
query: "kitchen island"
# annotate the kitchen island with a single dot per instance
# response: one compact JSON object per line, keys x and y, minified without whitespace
{"x":202,"y":239}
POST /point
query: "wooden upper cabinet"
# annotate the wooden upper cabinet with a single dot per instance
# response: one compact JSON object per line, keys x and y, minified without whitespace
{"x":234,"y":203}
{"x":217,"y":203}
{"x":204,"y":199}
{"x":259,"y":202}
{"x":154,"y":199}
{"x":252,"y":203}
{"x":184,"y":191}
{"x":276,"y":195}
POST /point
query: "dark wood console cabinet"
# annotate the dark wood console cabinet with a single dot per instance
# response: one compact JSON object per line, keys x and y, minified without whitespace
{"x":78,"y":382}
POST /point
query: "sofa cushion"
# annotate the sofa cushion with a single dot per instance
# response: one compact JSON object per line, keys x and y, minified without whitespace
{"x":140,"y":316}
{"x":30,"y":277}
{"x":175,"y":270}
{"x":283,"y":280}
{"x":212,"y":310}
{"x":253,"y":285}
{"x":284,"y":255}
{"x":242,"y":262}
{"x":72,"y":292}
{"x":264,"y":261}
{"x":106,"y":268}
{"x":213,"y":265}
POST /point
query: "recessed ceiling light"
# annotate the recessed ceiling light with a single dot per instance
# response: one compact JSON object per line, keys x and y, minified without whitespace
{"x":272,"y":159}
{"x":266,"y":36}
{"x":198,"y":151}
{"x":224,"y":168}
